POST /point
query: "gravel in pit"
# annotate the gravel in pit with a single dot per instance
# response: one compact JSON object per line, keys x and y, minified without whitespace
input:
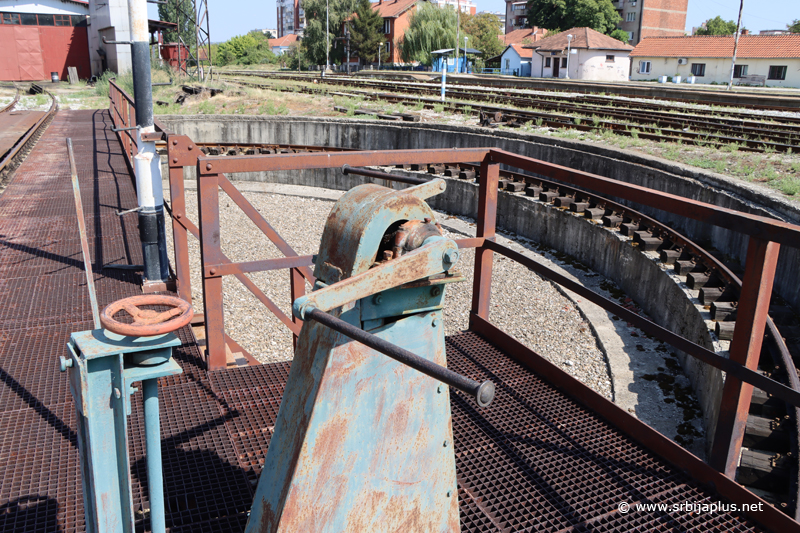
{"x":524,"y":304}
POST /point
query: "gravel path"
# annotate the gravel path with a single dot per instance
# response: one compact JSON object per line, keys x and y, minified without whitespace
{"x":527,"y":306}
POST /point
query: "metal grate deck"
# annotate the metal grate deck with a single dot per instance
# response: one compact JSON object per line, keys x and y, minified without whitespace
{"x":534,"y":460}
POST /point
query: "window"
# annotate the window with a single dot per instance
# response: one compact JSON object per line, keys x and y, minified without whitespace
{"x":609,"y":59}
{"x":62,"y":20}
{"x":28,"y":19}
{"x":698,"y":69}
{"x":777,"y":73}
{"x":563,"y":62}
{"x":630,"y":36}
{"x":46,"y":20}
{"x":644,"y":67}
{"x":387,"y":26}
{"x":10,"y":18}
{"x":739,"y":71}
{"x":546,"y":62}
{"x":78,"y":20}
{"x":631,"y":16}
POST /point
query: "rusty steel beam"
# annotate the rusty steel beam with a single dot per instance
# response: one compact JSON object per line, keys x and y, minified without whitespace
{"x":764,"y":514}
{"x":762,"y":228}
{"x":487,"y":222}
{"x":211,"y":252}
{"x":262,"y":224}
{"x":227,"y":269}
{"x":267,"y":163}
{"x":180,"y":238}
{"x":729,"y":366}
{"x":748,"y":337}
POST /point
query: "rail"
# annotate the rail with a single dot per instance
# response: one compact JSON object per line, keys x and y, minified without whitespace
{"x":25,"y":139}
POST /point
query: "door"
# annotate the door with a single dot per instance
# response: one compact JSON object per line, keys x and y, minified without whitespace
{"x":29,"y":53}
{"x":556,"y":65}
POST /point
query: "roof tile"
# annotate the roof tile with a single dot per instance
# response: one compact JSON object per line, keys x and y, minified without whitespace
{"x":750,"y":46}
{"x":582,"y":38}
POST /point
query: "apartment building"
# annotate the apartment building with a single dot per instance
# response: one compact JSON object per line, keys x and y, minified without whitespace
{"x":291,"y":18}
{"x":651,"y":18}
{"x":516,"y":17}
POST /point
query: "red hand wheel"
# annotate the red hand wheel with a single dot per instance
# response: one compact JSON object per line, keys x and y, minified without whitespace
{"x":146,"y":322}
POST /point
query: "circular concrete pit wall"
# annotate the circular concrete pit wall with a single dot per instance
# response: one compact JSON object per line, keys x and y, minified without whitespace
{"x":636,"y":274}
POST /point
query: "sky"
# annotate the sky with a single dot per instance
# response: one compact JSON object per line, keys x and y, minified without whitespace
{"x":235,"y":17}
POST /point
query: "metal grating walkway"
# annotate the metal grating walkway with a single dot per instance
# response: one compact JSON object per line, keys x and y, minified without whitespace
{"x":534,"y":460}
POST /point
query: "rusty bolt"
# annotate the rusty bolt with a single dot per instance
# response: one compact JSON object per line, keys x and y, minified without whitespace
{"x":212,"y":271}
{"x":435,"y":322}
{"x":174,"y":142}
{"x":377,"y":299}
{"x":436,"y":291}
{"x":178,"y":216}
{"x":191,"y":147}
{"x":442,"y":186}
{"x":208,"y":166}
{"x":174,"y":159}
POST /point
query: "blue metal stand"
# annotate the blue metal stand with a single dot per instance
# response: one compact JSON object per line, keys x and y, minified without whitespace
{"x":102,"y":368}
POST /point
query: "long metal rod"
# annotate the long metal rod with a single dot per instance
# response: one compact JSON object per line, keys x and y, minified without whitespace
{"x":347,"y":169}
{"x":87,"y":260}
{"x":155,"y":479}
{"x":482,"y":392}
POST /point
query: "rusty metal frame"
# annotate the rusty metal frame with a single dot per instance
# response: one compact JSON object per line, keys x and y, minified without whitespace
{"x":765,"y":236}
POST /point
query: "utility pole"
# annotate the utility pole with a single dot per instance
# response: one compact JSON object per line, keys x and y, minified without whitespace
{"x":569,"y":43}
{"x":735,"y":44}
{"x":380,"y":49}
{"x":458,"y":26}
{"x":147,"y":166}
{"x":327,"y":39}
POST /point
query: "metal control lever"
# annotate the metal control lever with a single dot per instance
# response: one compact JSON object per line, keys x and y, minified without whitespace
{"x":436,"y":255}
{"x":482,"y":392}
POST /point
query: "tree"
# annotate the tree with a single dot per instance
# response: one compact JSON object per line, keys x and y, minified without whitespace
{"x":620,"y":35}
{"x":314,"y":36}
{"x":600,"y":15}
{"x":180,"y":12}
{"x":250,"y":49}
{"x":430,"y":28}
{"x":794,"y":27}
{"x":717,"y":26}
{"x":482,"y":29}
{"x":366,"y":31}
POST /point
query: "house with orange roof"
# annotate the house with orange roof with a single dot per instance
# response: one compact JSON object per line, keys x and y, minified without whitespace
{"x":773,"y":60}
{"x":580,"y":54}
{"x":281,"y":45}
{"x":396,"y":15}
{"x":516,"y":60}
{"x":523,"y":36}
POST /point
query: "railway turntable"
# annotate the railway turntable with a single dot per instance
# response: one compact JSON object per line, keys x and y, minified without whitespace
{"x":381,"y":422}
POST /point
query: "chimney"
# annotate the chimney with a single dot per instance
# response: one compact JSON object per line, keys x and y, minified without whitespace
{"x":745,"y":31}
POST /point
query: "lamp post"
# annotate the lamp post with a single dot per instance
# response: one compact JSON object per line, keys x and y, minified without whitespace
{"x":327,"y":39}
{"x":380,"y":48}
{"x":465,"y":53}
{"x":569,"y":49}
{"x":458,"y":26}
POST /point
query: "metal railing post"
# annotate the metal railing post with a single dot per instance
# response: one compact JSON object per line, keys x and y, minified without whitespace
{"x":762,"y":259}
{"x":180,"y":238}
{"x":487,"y":222}
{"x":211,"y":254}
{"x":298,"y":290}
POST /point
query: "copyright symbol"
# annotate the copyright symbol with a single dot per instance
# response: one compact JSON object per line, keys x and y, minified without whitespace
{"x":624,"y":507}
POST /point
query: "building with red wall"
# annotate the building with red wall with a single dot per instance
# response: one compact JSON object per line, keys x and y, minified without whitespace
{"x":44,"y":37}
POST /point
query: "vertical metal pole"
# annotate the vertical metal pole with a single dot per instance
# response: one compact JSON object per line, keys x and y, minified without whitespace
{"x":147,"y":164}
{"x":211,"y":254}
{"x":155,"y":480}
{"x":444,"y":73}
{"x":458,"y":27}
{"x":736,"y":44}
{"x":298,"y":290}
{"x":180,"y":238}
{"x":487,"y":222}
{"x":327,"y":39}
{"x":762,"y":259}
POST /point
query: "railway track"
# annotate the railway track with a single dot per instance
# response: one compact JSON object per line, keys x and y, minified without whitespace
{"x":13,"y":102}
{"x":623,"y":117}
{"x":769,"y":463}
{"x":12,"y":158}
